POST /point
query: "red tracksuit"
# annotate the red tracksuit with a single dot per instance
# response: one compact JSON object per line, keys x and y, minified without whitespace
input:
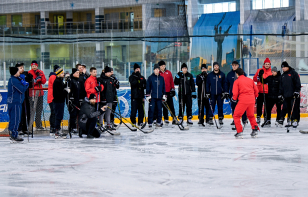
{"x":167,"y":75}
{"x":90,"y":85}
{"x":245,"y":91}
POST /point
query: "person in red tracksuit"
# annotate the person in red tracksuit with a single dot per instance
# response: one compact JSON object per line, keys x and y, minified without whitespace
{"x":170,"y":90}
{"x":39,"y":79}
{"x":244,"y":92}
{"x":91,"y":84}
{"x":262,"y":73}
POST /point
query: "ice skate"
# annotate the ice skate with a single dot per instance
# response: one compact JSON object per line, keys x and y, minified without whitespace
{"x":90,"y":137}
{"x":266,"y":124}
{"x":289,"y":124}
{"x":221,"y":122}
{"x":16,"y":140}
{"x":239,"y":135}
{"x":180,"y":121}
{"x":174,"y":122}
{"x":150,"y":126}
{"x":277,"y":123}
{"x":210,"y":123}
{"x":167,"y":122}
{"x":154,"y":122}
{"x":189,"y":122}
{"x":201,"y":123}
{"x":280,"y":123}
{"x":232,"y":123}
{"x":254,"y":132}
{"x":110,"y":128}
{"x":59,"y":134}
{"x":295,"y":124}
{"x":258,"y":120}
{"x":158,"y":126}
{"x":52,"y":132}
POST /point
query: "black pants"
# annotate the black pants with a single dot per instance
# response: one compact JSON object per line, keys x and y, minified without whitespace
{"x":260,"y":101}
{"x":187,"y":100}
{"x":244,"y":117}
{"x":25,"y":116}
{"x":287,"y":108}
{"x":114,"y":107}
{"x":171,"y":106}
{"x":220,"y":102}
{"x":206,"y":105}
{"x":137,"y":105}
{"x":38,"y":112}
{"x":269,"y":106}
{"x":73,"y":116}
{"x":52,"y":118}
{"x":90,"y":129}
{"x":59,"y":112}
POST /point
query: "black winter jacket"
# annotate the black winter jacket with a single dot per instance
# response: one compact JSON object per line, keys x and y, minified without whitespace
{"x":273,"y":85}
{"x":59,"y":94}
{"x":138,"y":84}
{"x":75,"y":87}
{"x":187,"y":83}
{"x":201,"y":83}
{"x":82,"y":79}
{"x":109,"y":93}
{"x":290,"y":83}
{"x":87,"y":111}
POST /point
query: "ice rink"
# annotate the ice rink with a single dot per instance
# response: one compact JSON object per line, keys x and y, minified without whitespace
{"x":167,"y":162}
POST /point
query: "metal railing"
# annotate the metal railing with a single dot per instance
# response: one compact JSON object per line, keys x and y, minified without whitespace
{"x":121,"y":25}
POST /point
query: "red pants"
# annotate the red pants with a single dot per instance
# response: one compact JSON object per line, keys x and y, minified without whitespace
{"x":238,"y":113}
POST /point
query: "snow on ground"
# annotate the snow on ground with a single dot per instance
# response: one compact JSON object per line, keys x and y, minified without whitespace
{"x":167,"y":162}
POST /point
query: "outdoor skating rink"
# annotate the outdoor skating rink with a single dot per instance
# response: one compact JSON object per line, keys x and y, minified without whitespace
{"x":167,"y":162}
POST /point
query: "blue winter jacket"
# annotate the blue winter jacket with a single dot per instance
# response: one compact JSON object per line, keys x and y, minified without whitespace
{"x":156,"y":86}
{"x":16,"y":91}
{"x":215,"y":83}
{"x":231,"y":77}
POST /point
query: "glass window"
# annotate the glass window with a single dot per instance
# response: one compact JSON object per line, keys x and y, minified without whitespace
{"x":220,"y":7}
{"x":2,"y":20}
{"x":208,"y":8}
{"x":265,"y":4}
{"x":217,"y":7}
{"x":232,"y":7}
{"x":17,"y":20}
{"x":225,"y":7}
{"x":285,"y":3}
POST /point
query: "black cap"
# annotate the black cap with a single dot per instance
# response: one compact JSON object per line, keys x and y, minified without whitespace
{"x":136,"y":66}
{"x":215,"y":63}
{"x":183,"y":66}
{"x":156,"y":66}
{"x":92,"y":96}
{"x":203,"y":66}
{"x":285,"y":64}
{"x":13,"y":70}
{"x":274,"y":69}
{"x":161,"y":63}
{"x":74,"y":70}
{"x":55,"y":68}
{"x":107,"y":69}
{"x":19,"y":65}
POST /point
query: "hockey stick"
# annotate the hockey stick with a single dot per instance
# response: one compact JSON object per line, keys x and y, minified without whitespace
{"x":213,"y":114}
{"x":145,"y":117}
{"x":182,"y":108}
{"x":201,"y":108}
{"x":146,"y":132}
{"x":68,"y":106}
{"x":291,"y":113}
{"x":26,"y":114}
{"x":181,"y":127}
{"x":132,"y":129}
{"x":103,"y":129}
{"x":118,"y":103}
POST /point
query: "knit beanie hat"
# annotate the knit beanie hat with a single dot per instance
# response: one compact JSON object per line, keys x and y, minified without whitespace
{"x":59,"y":71}
{"x":107,"y":69}
{"x":55,"y":67}
{"x":203,"y":66}
{"x":74,"y":70}
{"x":267,"y":60}
{"x":161,"y":63}
{"x":183,"y":66}
{"x":13,"y":70}
{"x":136,"y":66}
{"x":274,"y":69}
{"x":156,"y":66}
{"x":215,"y":63}
{"x":92,"y":96}
{"x":34,"y":63}
{"x":285,"y":64}
{"x":19,"y":65}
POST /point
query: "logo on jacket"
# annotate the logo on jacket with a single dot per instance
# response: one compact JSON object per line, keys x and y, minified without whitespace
{"x":110,"y":82}
{"x":289,"y":75}
{"x":188,"y":78}
{"x":219,"y":76}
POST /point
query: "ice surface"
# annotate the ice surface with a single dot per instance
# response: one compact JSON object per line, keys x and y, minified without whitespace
{"x":167,"y":162}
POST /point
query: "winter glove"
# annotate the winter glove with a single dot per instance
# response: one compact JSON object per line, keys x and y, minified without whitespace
{"x":180,"y":75}
{"x":280,"y":98}
{"x":37,"y":73}
{"x":116,"y":81}
{"x":138,"y":74}
{"x":234,"y":101}
{"x":207,"y":96}
{"x":98,"y":88}
{"x":22,"y":76}
{"x":148,"y":98}
{"x":172,"y":92}
{"x":261,"y":74}
{"x":225,"y":95}
{"x":67,"y":77}
{"x":37,"y":78}
{"x":194,"y":96}
{"x":164,"y":98}
{"x":68,"y":90}
{"x":24,"y":83}
{"x":296,"y":94}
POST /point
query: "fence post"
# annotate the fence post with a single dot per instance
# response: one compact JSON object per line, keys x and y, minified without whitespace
{"x":145,"y":69}
{"x":177,"y":66}
{"x":103,"y":65}
{"x":128,"y":68}
{"x":111,"y":63}
{"x":4,"y":75}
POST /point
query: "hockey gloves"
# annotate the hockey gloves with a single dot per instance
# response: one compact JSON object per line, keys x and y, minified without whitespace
{"x":180,"y":75}
{"x":194,"y":96}
{"x":148,"y":98}
{"x":225,"y":95}
{"x":280,"y":98}
{"x":296,"y":94}
{"x":98,"y":88}
{"x":36,"y":79}
{"x":24,"y":83}
{"x":234,"y":101}
{"x":261,"y":72}
{"x":164,"y":98}
{"x":172,"y":92}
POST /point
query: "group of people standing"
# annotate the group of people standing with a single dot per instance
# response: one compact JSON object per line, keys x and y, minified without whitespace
{"x":91,"y":99}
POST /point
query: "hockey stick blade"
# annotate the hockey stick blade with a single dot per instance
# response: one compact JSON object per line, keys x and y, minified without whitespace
{"x":303,"y":132}
{"x":143,"y":125}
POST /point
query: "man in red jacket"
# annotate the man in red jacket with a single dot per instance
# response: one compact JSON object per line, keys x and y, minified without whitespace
{"x":91,"y":84}
{"x":170,"y":90}
{"x":39,"y":79}
{"x":245,"y":93}
{"x":261,"y":74}
{"x":52,"y":118}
